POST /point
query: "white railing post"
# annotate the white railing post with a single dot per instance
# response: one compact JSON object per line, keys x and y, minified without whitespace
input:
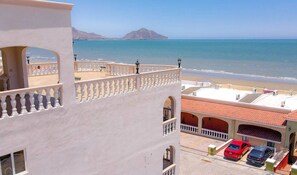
{"x":40,"y":98}
{"x":3,"y":105}
{"x":169,"y":170}
{"x":169,"y":126}
{"x":56,"y":96}
{"x":13,"y":104}
{"x":214,"y":134}
{"x":23,"y":103}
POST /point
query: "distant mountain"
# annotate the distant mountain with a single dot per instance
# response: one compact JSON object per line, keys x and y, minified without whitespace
{"x":81,"y":35}
{"x":144,"y":34}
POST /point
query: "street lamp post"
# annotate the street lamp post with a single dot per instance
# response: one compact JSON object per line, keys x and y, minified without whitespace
{"x":75,"y":57}
{"x":179,"y":62}
{"x":28,"y":59}
{"x":137,"y":67}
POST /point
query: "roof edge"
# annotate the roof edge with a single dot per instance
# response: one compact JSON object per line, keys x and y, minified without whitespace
{"x":239,"y":104}
{"x":39,"y":3}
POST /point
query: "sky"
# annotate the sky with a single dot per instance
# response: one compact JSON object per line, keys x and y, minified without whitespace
{"x":188,"y":19}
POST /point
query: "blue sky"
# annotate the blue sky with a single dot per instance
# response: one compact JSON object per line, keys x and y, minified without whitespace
{"x":189,"y":18}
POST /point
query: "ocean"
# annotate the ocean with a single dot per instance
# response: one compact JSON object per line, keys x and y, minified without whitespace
{"x":263,"y":60}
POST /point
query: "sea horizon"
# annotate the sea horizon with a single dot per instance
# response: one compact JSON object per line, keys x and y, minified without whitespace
{"x":271,"y":60}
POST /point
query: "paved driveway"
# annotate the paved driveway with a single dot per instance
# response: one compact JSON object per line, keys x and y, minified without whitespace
{"x":194,"y":159}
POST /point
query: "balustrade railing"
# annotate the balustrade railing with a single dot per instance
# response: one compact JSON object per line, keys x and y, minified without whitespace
{"x":113,"y":69}
{"x":116,"y":69}
{"x":107,"y":87}
{"x":189,"y":128}
{"x":125,"y":69}
{"x":28,"y":100}
{"x":214,"y":134}
{"x":169,"y":126}
{"x":37,"y":69}
{"x":91,"y":66}
{"x":169,"y":170}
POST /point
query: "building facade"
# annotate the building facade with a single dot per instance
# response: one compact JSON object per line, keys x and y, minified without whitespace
{"x":112,"y":125}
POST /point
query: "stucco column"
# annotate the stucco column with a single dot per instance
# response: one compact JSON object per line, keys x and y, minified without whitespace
{"x":231,"y":129}
{"x":14,"y":65}
{"x":66,"y":77}
{"x":199,"y":123}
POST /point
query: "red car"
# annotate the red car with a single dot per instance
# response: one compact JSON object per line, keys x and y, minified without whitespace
{"x":237,"y":149}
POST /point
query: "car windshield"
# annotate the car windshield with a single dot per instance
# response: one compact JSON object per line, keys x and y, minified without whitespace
{"x":233,"y":147}
{"x":256,"y":153}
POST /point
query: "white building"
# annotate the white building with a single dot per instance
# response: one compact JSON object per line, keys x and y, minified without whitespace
{"x":126,"y":124}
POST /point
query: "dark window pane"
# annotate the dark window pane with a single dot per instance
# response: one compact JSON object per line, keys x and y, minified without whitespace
{"x":19,"y":161}
{"x":6,"y":167}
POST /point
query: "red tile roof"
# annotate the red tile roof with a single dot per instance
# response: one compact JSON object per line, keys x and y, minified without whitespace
{"x":292,"y":116}
{"x":234,"y":112}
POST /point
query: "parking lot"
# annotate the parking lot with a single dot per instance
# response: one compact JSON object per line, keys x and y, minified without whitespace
{"x":194,"y":159}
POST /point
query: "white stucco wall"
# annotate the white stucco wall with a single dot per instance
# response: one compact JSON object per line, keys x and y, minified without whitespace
{"x":114,"y":136}
{"x":43,"y":25}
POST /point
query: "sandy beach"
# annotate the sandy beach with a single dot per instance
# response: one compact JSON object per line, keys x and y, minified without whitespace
{"x":245,"y":84}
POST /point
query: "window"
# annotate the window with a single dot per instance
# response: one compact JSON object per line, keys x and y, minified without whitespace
{"x":12,"y":164}
{"x":271,"y":144}
{"x":245,"y":138}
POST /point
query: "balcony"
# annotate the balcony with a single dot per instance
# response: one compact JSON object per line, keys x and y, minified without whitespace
{"x":93,"y":80}
{"x":29,"y":100}
{"x":169,"y":126}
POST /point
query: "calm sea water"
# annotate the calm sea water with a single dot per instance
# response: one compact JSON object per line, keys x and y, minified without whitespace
{"x":270,"y":60}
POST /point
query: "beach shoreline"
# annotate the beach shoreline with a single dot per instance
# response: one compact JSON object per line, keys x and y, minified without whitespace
{"x":283,"y":88}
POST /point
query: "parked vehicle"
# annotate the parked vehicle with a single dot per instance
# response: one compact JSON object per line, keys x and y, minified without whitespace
{"x":237,"y":149}
{"x":259,"y":155}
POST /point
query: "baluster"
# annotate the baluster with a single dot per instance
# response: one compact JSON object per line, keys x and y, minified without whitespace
{"x":142,"y":82}
{"x":112,"y":87}
{"x":126,"y":85}
{"x":48,"y":98}
{"x":106,"y":88}
{"x":89,"y":91}
{"x":100,"y":89}
{"x":23,"y":103}
{"x":3,"y":105}
{"x":82,"y":92}
{"x":40,"y":99}
{"x":32,"y":102}
{"x":95,"y":90}
{"x":13,"y":104}
{"x":77,"y":91}
{"x":56,"y":96}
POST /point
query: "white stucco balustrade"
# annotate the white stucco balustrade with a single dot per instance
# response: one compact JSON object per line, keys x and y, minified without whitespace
{"x":169,"y":126}
{"x":90,"y":66}
{"x":28,"y":100}
{"x":189,"y":129}
{"x":214,"y":134}
{"x":169,"y":170}
{"x":114,"y":69}
{"x":107,"y":87}
{"x":125,"y":69}
{"x":42,"y":69}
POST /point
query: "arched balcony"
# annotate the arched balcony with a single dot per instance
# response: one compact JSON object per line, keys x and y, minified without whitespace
{"x":169,"y":161}
{"x":189,"y":123}
{"x":18,"y":95}
{"x":169,"y":120}
{"x":215,"y":128}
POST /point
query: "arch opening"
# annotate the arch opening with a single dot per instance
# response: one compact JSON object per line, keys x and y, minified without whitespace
{"x":168,"y":157}
{"x":189,"y":119}
{"x":168,"y":109}
{"x":260,"y":132}
{"x":215,"y":124}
